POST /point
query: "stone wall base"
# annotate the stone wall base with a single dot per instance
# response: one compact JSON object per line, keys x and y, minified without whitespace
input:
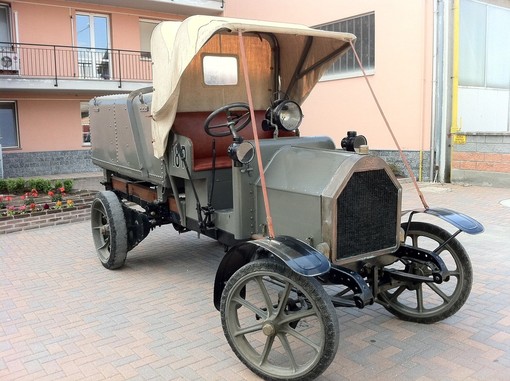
{"x":393,"y":159}
{"x":30,"y":164}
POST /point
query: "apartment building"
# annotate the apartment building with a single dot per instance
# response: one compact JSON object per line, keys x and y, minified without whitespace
{"x":56,"y":55}
{"x":440,"y":70}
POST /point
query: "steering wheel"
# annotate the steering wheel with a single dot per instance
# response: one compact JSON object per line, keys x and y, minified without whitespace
{"x":237,"y":117}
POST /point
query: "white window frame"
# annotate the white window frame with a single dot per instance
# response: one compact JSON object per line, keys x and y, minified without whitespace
{"x":95,"y":59}
{"x":146,"y":54}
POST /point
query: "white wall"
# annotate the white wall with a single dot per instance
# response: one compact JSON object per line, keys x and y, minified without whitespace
{"x":484,"y":110}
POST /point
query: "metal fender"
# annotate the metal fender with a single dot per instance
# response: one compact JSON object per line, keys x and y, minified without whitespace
{"x":299,"y":256}
{"x":460,"y":221}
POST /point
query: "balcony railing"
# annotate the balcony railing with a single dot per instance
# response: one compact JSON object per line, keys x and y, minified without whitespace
{"x":60,"y":62}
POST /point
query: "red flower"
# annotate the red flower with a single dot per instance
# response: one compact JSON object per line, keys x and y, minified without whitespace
{"x":22,"y":197}
{"x":51,"y":193}
{"x":46,"y":206}
{"x":8,"y":198}
{"x":62,"y":189}
{"x":33,"y":206}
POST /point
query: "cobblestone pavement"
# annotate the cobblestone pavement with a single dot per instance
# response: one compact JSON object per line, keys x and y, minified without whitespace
{"x":63,"y":316}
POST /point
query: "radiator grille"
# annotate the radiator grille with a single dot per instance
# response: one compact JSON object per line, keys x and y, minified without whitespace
{"x":367,"y":214}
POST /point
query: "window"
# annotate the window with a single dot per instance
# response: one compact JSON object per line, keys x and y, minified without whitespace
{"x":8,"y":125}
{"x":92,"y":35}
{"x":5,"y":26}
{"x":363,"y":27}
{"x":484,"y":62}
{"x":146,"y":28}
{"x":220,"y":70}
{"x":85,"y":123}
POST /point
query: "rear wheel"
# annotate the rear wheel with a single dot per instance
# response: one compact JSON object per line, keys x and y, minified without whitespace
{"x":281,"y":325}
{"x":431,"y":302}
{"x":109,"y":230}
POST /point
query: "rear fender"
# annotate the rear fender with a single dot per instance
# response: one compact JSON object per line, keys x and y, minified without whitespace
{"x":460,"y":221}
{"x":297,"y":255}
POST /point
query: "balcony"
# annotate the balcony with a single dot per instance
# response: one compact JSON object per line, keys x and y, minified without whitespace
{"x":35,"y":67}
{"x":182,"y":7}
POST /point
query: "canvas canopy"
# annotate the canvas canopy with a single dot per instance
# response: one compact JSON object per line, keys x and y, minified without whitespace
{"x":304,"y":55}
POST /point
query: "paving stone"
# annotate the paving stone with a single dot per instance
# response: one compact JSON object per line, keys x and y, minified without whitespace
{"x":63,"y":316}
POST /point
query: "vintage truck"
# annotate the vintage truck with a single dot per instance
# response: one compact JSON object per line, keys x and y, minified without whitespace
{"x":214,"y":147}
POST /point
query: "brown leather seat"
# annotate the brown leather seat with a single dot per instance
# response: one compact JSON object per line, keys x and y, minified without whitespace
{"x":191,"y":125}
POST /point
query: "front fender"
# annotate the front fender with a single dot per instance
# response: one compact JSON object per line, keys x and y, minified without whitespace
{"x":300,"y":257}
{"x":460,"y":221}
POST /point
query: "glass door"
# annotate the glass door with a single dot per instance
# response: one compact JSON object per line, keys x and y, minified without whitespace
{"x":93,"y":40}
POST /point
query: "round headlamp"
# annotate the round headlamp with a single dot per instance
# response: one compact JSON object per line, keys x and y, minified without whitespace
{"x":287,"y":115}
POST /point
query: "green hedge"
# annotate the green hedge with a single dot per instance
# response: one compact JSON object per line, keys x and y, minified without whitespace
{"x":21,"y":185}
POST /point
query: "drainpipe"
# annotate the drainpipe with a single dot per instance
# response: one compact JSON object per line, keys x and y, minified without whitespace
{"x":438,"y":132}
{"x":454,"y":128}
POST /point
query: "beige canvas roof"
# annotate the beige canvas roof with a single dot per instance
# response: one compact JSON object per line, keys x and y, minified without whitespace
{"x":174,"y":44}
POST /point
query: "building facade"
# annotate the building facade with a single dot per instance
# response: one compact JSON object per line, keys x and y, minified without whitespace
{"x":481,"y":143}
{"x":56,"y":55}
{"x":440,"y":70}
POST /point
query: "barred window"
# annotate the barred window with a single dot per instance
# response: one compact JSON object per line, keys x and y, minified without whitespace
{"x":363,"y":27}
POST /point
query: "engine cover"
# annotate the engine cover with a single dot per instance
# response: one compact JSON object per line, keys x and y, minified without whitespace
{"x":351,"y":202}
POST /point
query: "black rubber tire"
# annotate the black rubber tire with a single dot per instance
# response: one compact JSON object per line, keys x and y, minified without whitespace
{"x":109,"y":230}
{"x":450,"y":296}
{"x":311,"y":323}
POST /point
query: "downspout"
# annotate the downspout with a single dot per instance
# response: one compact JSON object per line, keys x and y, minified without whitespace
{"x":436,"y":150}
{"x":454,"y":128}
{"x":424,"y":84}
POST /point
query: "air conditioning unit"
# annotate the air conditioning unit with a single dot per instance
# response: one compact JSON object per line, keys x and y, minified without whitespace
{"x":9,"y":61}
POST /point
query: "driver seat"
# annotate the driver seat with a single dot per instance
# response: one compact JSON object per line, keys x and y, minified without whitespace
{"x":191,"y":125}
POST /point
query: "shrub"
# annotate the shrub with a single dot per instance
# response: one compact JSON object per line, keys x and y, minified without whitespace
{"x":43,"y":185}
{"x":32,"y":183}
{"x":68,"y":185}
{"x":58,"y":184}
{"x":16,"y":185}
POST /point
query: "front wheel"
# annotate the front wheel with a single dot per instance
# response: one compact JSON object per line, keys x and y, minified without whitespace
{"x":430,"y":302}
{"x":280,"y":324}
{"x":109,"y":230}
